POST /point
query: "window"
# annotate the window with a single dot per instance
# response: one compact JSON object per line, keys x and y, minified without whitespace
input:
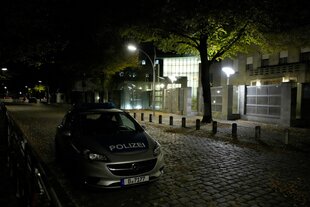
{"x":282,"y":60}
{"x":305,"y":57}
{"x":249,"y":67}
{"x":283,"y":57}
{"x":182,"y":67}
{"x":264,"y":62}
{"x":249,"y":63}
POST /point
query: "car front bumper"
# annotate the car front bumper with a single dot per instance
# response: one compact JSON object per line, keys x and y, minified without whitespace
{"x":112,"y":175}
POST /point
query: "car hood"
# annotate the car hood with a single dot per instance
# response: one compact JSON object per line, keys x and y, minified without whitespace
{"x":116,"y":143}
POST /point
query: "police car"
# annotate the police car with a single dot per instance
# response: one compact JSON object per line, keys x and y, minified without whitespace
{"x":105,"y":147}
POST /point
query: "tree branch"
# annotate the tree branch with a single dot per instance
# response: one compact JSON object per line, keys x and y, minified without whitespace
{"x":195,"y":43}
{"x":233,"y":41}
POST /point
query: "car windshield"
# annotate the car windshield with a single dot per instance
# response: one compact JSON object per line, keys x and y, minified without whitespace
{"x":106,"y":123}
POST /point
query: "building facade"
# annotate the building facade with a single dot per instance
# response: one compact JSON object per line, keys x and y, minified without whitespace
{"x":262,"y":86}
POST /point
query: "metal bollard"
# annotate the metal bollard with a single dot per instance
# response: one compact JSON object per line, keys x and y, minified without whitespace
{"x":197,"y":124}
{"x":150,"y":118}
{"x":234,"y":131}
{"x":134,"y":115}
{"x":142,"y":116}
{"x":287,"y":137}
{"x":257,"y":132}
{"x":171,"y":120}
{"x":183,"y":122}
{"x":214,"y":127}
{"x":160,"y":119}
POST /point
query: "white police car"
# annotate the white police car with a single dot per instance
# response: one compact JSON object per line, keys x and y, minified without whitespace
{"x":106,"y":147}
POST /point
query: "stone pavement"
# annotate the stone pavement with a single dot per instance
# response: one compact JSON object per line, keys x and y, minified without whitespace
{"x":204,"y":172}
{"x":271,"y":135}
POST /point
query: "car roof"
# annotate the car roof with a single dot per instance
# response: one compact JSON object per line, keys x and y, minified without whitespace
{"x":84,"y":107}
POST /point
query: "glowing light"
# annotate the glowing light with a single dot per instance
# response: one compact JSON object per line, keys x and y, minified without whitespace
{"x":128,"y":106}
{"x":132,"y":47}
{"x":285,"y":79}
{"x":228,"y":71}
{"x":172,"y":78}
{"x":138,"y":107}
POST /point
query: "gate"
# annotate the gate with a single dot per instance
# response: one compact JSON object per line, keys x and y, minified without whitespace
{"x":264,"y":101}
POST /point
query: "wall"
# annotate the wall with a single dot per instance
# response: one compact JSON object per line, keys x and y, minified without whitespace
{"x":178,"y":101}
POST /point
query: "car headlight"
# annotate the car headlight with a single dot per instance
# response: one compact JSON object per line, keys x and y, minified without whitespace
{"x":156,"y":150}
{"x":94,"y":156}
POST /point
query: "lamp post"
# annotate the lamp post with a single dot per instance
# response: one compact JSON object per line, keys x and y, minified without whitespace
{"x":134,"y":48}
{"x":3,"y":70}
{"x":2,"y":77}
{"x":48,"y":92}
{"x":228,"y":71}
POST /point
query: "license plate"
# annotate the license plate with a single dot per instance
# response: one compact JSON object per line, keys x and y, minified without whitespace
{"x":135,"y":180}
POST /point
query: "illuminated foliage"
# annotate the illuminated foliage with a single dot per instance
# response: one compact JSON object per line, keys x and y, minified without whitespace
{"x":213,"y":30}
{"x":39,"y":88}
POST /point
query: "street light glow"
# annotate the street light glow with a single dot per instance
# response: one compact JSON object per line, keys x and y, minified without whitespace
{"x":4,"y":69}
{"x":132,"y":47}
{"x":172,"y":78}
{"x":228,"y":71}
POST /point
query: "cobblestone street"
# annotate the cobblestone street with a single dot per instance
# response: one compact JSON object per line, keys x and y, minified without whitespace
{"x":201,"y":169}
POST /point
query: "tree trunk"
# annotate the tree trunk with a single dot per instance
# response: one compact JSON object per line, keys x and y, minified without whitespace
{"x":205,"y":81}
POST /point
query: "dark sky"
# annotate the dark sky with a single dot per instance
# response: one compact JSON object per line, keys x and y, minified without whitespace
{"x":37,"y":33}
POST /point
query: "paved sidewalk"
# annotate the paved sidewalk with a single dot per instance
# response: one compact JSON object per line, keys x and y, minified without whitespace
{"x":271,"y":135}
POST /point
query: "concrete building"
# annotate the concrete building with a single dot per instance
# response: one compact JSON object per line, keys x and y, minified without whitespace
{"x":271,"y":88}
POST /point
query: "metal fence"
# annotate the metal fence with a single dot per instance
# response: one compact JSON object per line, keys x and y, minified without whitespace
{"x":35,"y":185}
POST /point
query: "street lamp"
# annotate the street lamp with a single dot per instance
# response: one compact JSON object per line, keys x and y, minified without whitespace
{"x":134,"y":48}
{"x":228,"y":71}
{"x":48,"y":92}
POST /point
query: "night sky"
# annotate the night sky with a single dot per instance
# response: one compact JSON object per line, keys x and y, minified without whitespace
{"x":58,"y":40}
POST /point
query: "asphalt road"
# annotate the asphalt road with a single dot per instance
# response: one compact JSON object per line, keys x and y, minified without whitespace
{"x":200,"y":171}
